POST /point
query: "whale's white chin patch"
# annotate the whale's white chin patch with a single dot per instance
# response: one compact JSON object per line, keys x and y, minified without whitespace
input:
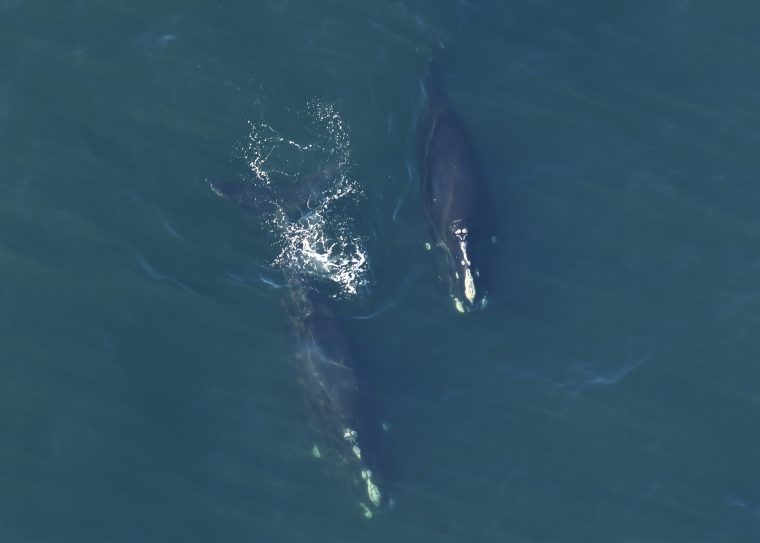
{"x":373,"y":493}
{"x":469,"y":286}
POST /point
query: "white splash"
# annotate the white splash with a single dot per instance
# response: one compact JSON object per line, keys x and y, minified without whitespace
{"x":317,"y":241}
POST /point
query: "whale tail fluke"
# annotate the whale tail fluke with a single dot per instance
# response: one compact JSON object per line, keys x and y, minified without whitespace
{"x":236,"y":192}
{"x":293,"y":199}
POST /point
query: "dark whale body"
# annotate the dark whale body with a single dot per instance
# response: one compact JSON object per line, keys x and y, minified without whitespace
{"x":449,"y":196}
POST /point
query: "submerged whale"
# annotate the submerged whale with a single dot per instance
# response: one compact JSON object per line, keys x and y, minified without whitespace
{"x":324,"y":360}
{"x":449,"y":196}
{"x":331,"y":388}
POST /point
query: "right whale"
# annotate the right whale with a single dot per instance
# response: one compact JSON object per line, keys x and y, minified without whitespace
{"x":325,"y":362}
{"x":449,"y":197}
{"x":328,"y":377}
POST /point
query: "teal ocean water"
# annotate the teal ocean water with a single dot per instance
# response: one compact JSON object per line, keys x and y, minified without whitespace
{"x":609,"y":391}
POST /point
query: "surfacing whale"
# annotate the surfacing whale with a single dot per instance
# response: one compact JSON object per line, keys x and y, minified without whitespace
{"x":325,"y":363}
{"x":326,"y":366}
{"x":449,"y":197}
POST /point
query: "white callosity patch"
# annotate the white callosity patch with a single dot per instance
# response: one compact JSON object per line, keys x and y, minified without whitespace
{"x":366,"y":510}
{"x":465,"y":258}
{"x":350,"y":436}
{"x":461,"y":234}
{"x":315,"y":237}
{"x":469,"y":285}
{"x":469,"y":281}
{"x":373,"y":492}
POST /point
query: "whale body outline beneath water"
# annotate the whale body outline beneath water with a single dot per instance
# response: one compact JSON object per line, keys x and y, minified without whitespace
{"x":332,"y":390}
{"x":324,"y":358}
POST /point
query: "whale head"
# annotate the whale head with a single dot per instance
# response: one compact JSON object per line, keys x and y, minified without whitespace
{"x":464,"y":276}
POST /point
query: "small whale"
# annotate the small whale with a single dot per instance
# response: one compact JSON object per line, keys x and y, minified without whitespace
{"x":449,"y":196}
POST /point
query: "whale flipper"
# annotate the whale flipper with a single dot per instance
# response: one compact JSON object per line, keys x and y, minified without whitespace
{"x":236,"y":192}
